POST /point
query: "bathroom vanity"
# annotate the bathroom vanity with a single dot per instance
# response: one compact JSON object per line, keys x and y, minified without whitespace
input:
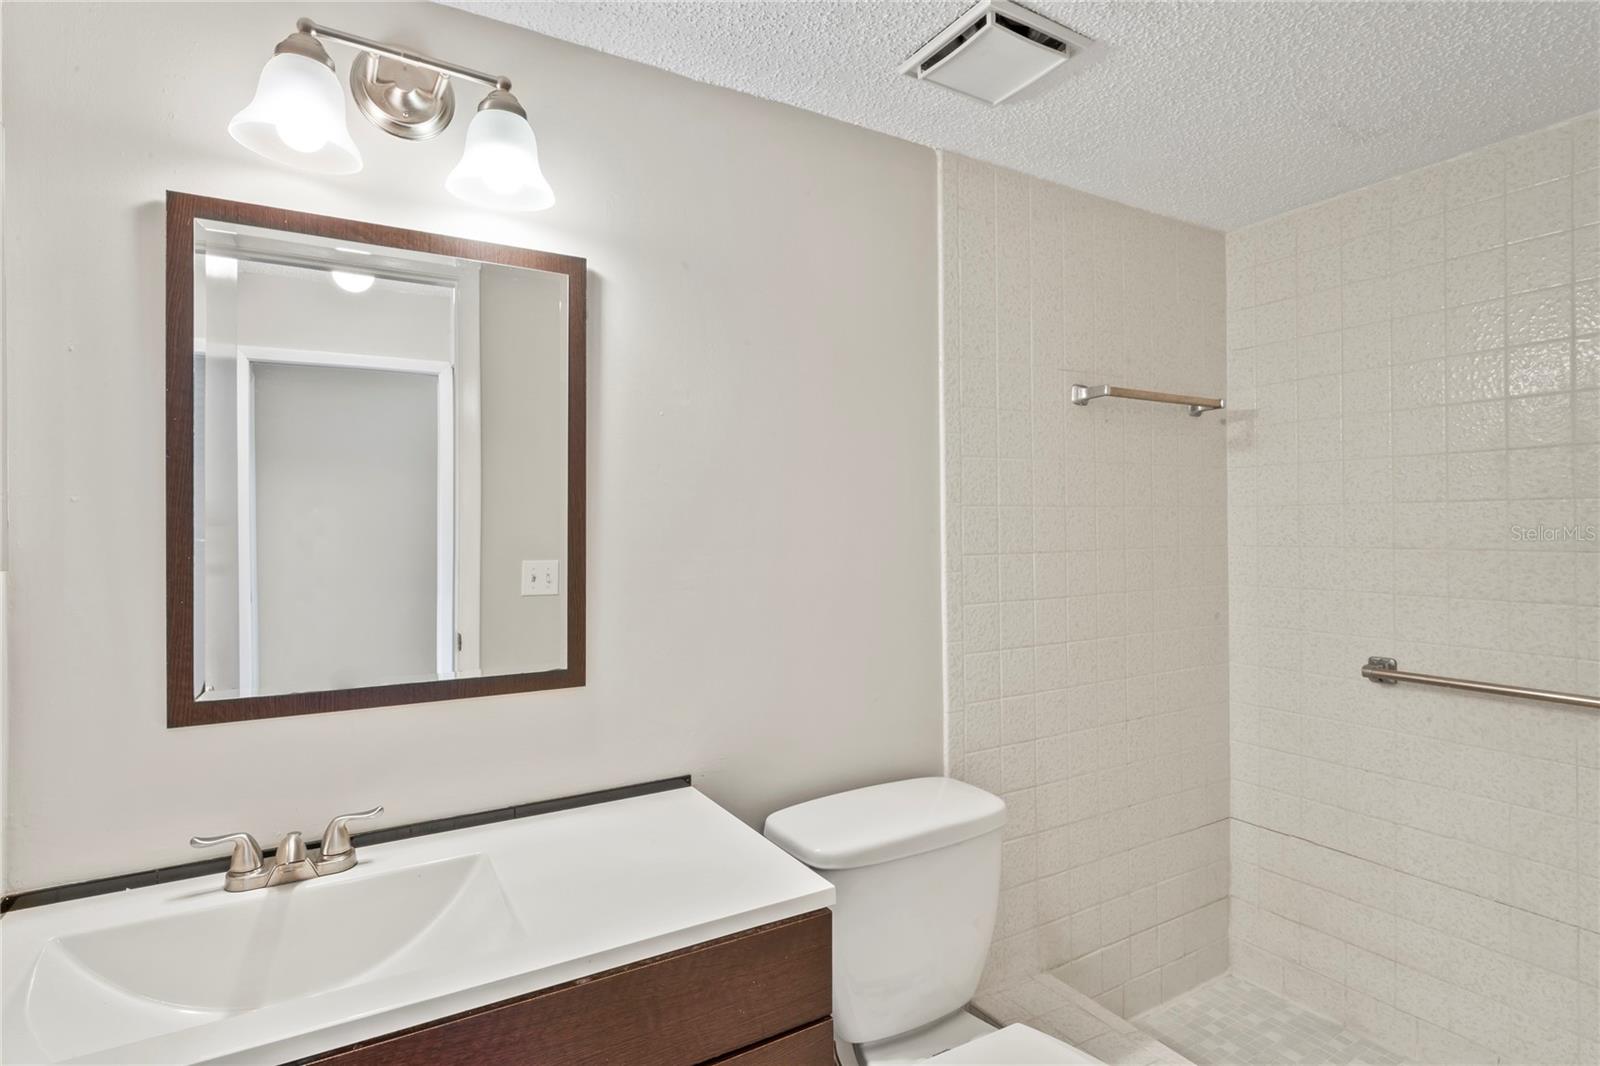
{"x":655,"y":929}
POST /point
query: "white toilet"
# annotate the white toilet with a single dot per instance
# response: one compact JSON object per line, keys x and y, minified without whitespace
{"x":916,"y":866}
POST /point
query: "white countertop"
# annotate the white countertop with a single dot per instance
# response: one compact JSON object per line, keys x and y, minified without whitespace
{"x":592,"y":888}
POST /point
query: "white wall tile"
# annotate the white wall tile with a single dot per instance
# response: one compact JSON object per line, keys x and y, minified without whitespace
{"x":1090,"y":548}
{"x":1421,"y":862}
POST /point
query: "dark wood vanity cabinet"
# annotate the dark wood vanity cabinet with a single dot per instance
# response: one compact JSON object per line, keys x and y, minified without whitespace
{"x":761,"y":997}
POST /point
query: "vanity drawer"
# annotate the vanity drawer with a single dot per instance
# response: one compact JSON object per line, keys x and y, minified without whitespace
{"x":811,"y":1046}
{"x":723,"y":1000}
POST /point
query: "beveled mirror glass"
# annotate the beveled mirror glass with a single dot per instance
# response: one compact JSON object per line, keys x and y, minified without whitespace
{"x":375,"y":467}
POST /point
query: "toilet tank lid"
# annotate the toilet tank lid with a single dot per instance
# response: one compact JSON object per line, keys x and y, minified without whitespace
{"x":881,"y":823}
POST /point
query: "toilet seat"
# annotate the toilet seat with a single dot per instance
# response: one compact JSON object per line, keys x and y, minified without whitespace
{"x":1015,"y":1045}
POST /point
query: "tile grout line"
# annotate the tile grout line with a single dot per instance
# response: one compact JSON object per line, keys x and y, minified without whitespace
{"x":1419,"y":877}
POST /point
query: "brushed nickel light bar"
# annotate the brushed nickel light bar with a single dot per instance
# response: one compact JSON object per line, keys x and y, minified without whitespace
{"x":404,"y":55}
{"x":297,"y":115}
{"x":395,"y":96}
{"x":1198,"y":405}
{"x":1385,"y":671}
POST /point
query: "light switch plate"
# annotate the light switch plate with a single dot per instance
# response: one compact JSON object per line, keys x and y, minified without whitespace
{"x":539,"y":577}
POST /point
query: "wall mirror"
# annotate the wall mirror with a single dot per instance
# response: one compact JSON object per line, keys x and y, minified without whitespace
{"x":375,"y":465}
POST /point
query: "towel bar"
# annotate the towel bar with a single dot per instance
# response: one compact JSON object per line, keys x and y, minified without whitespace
{"x":1387,"y":672}
{"x":1198,"y":405}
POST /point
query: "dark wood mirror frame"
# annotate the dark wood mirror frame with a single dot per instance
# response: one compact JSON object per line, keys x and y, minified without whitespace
{"x":182,"y":707}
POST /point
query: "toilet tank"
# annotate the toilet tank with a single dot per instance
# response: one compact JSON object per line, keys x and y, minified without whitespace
{"x":916,"y":868}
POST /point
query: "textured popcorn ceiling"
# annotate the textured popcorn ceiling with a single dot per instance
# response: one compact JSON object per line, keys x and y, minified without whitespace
{"x":1216,"y":113}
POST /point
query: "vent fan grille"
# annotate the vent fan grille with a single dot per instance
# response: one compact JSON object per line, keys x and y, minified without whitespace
{"x":994,"y":51}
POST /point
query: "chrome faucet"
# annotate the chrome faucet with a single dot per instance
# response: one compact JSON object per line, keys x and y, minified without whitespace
{"x":248,"y":869}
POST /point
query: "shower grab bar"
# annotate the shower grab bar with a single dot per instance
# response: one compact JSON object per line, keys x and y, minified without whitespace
{"x":1198,"y":405}
{"x":1386,"y":671}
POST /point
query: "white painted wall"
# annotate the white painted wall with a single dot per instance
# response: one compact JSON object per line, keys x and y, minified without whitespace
{"x":763,"y":487}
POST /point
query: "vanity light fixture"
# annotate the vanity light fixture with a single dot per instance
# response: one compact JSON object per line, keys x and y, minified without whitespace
{"x":297,"y":116}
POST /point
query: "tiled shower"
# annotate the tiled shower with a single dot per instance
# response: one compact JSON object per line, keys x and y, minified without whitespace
{"x":1156,"y":622}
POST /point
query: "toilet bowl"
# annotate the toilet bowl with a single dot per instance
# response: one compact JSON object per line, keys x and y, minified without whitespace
{"x":916,"y":871}
{"x":1015,"y":1045}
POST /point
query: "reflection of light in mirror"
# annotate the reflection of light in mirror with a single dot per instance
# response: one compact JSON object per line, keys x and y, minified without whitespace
{"x":221,"y":267}
{"x":352,"y":280}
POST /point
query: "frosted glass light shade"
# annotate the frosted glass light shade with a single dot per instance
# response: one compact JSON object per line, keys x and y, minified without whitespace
{"x":297,"y":117}
{"x":500,"y":166}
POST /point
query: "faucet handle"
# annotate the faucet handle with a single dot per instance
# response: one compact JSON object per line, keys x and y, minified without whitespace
{"x":246,"y":852}
{"x":291,"y":848}
{"x":336,"y":838}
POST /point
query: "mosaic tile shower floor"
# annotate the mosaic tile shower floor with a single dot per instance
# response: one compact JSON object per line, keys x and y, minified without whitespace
{"x":1231,"y":1022}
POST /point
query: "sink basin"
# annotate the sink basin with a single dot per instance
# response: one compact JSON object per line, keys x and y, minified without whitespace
{"x":307,"y":939}
{"x":257,"y":949}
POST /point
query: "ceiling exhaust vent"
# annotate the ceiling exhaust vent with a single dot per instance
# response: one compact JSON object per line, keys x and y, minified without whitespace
{"x":994,"y":51}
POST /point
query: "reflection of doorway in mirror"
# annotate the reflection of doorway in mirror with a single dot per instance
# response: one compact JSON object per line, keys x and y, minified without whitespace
{"x":342,"y":477}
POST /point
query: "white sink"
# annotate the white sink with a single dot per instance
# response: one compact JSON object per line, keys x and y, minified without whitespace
{"x":262,"y":948}
{"x":420,"y":929}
